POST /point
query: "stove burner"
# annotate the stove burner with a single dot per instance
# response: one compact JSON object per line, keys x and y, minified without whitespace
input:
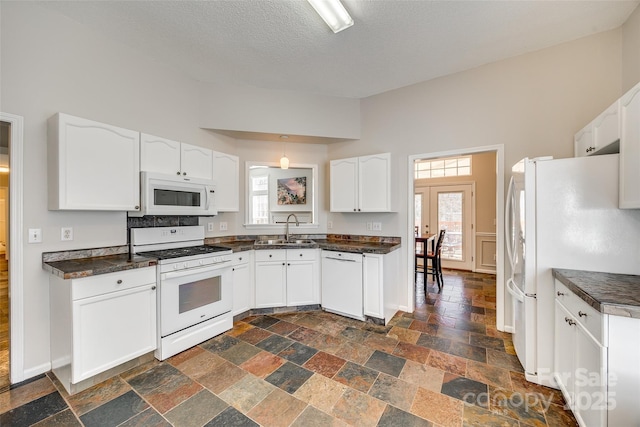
{"x":183,"y":252}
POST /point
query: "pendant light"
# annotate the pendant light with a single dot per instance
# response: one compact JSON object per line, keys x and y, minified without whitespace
{"x":284,"y":161}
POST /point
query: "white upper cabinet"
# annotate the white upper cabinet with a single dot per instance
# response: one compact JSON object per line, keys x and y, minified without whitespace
{"x":159,"y":155}
{"x":599,"y":136}
{"x":583,"y":142}
{"x":92,"y":165}
{"x":174,"y":158}
{"x":226,"y":174}
{"x":630,"y":149}
{"x":361,"y":184}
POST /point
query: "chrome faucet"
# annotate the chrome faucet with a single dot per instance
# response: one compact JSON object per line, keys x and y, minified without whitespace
{"x":287,"y":229}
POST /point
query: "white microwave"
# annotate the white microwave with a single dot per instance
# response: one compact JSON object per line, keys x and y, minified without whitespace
{"x":162,"y":194}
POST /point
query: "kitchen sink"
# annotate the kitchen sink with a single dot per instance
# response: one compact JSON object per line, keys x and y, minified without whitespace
{"x":285,"y":242}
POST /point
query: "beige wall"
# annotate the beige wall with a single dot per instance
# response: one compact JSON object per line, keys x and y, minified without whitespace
{"x":631,"y":51}
{"x":531,"y":104}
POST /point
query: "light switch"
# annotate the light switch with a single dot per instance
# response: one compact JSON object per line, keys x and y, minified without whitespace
{"x":35,"y":235}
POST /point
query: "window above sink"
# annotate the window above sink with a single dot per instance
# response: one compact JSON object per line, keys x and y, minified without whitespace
{"x":273,"y":193}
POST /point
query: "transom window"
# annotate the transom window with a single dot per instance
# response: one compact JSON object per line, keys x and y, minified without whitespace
{"x":440,"y":168}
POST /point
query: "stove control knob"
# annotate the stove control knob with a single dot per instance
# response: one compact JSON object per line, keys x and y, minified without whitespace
{"x":185,"y":265}
{"x":175,"y":266}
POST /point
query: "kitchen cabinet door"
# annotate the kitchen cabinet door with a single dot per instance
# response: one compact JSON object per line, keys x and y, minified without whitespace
{"x":606,"y":127}
{"x":226,"y":174}
{"x":303,"y":277}
{"x":583,"y":142}
{"x":243,"y":289}
{"x":344,"y":185}
{"x":590,"y":398}
{"x":630,"y":149}
{"x":159,"y":155}
{"x":564,"y":350}
{"x":374,"y":183}
{"x":271,"y":284}
{"x":111,"y":329}
{"x":372,"y":280}
{"x":196,"y":162}
{"x":92,"y":165}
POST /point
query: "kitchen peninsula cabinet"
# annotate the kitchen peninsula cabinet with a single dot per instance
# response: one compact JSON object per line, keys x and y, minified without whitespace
{"x":287,"y":277}
{"x":175,"y":158}
{"x":243,"y":288}
{"x":226,"y":174}
{"x":361,"y":184}
{"x":630,"y":149}
{"x":100,"y":322}
{"x":92,"y":165}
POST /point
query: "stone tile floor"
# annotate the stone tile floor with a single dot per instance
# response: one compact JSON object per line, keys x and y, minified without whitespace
{"x":445,"y":364}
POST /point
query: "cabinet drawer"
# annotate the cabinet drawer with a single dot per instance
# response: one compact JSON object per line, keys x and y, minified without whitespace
{"x":111,"y":282}
{"x":301,"y":254}
{"x":240,"y":258}
{"x":271,"y":255}
{"x":590,"y":318}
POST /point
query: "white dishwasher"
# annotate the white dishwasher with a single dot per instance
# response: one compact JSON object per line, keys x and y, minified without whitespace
{"x":342,"y":283}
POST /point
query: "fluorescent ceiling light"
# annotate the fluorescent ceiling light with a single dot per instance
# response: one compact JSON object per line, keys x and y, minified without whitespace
{"x":333,"y":13}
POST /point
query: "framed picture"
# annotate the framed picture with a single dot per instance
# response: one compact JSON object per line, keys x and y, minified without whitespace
{"x":292,"y":191}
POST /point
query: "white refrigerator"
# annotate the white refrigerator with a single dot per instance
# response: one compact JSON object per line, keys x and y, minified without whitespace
{"x":561,"y":213}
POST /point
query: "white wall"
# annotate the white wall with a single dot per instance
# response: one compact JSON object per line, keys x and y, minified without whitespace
{"x":533,"y":104}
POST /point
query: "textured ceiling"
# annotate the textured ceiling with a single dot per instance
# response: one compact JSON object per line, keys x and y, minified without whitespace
{"x":284,"y":45}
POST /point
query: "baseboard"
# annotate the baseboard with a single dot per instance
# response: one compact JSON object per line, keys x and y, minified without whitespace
{"x":480,"y":270}
{"x":36,"y":370}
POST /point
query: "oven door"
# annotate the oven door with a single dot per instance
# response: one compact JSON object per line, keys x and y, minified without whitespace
{"x":188,"y":297}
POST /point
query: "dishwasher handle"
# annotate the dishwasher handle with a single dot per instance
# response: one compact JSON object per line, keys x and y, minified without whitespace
{"x":341,"y":259}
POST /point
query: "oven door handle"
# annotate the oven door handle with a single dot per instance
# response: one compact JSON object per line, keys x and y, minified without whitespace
{"x":192,"y":271}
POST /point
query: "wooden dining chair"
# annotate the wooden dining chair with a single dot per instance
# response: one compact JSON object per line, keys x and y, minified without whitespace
{"x":433,"y":261}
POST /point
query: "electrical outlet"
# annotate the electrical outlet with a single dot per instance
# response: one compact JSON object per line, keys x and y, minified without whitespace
{"x":223,"y":226}
{"x":329,"y":225}
{"x":369,"y":226}
{"x":209,"y":226}
{"x":377,"y":226}
{"x":66,"y":233}
{"x":35,"y":235}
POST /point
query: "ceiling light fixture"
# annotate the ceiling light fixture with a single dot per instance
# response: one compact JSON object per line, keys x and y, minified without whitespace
{"x":284,"y":161}
{"x":333,"y":13}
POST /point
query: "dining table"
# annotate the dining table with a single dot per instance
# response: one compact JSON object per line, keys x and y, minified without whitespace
{"x":423,"y":240}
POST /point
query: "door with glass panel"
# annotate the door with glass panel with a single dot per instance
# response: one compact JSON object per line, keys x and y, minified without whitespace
{"x":451,"y":208}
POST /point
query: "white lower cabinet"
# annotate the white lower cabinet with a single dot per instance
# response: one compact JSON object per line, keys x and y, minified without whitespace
{"x":287,"y":277}
{"x":100,"y":322}
{"x":243,"y":288}
{"x":596,"y":362}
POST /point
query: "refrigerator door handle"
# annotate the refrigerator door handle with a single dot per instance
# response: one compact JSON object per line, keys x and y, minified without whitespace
{"x":508,"y":224}
{"x":514,"y":290}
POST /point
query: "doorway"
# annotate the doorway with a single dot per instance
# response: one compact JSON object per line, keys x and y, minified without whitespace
{"x":437,"y":169}
{"x":5,"y":138}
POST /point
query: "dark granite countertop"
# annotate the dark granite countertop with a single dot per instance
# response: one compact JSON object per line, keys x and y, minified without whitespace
{"x":609,"y":293}
{"x":85,"y":267}
{"x":354,"y":246}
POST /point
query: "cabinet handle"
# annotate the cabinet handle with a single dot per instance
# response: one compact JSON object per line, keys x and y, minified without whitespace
{"x":581,"y":314}
{"x":137,"y":208}
{"x":283,"y":263}
{"x":560,"y":294}
{"x":233,"y":269}
{"x":300,"y":254}
{"x":119,"y":282}
{"x":354,"y":209}
{"x":240,"y":259}
{"x":288,"y":263}
{"x":184,"y":173}
{"x":153,"y":288}
{"x":569,"y":321}
{"x":270,"y":255}
{"x":359,"y":210}
{"x":178,"y":173}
